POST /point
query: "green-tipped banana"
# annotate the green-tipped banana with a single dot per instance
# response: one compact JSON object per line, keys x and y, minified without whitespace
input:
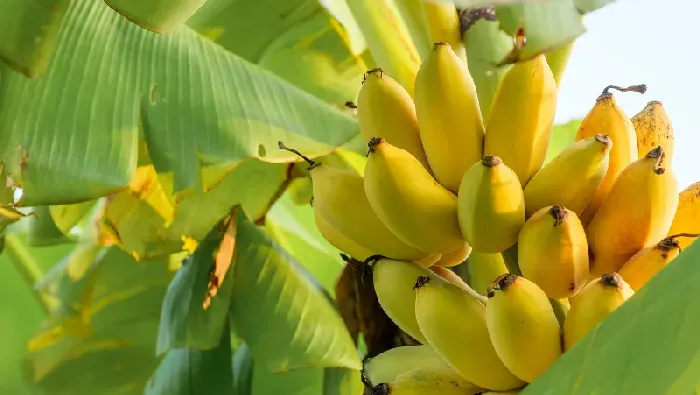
{"x":390,"y":364}
{"x":523,"y":327}
{"x":454,"y":324}
{"x":449,"y":117}
{"x":384,"y":108}
{"x":427,"y":381}
{"x":393,"y":283}
{"x":408,"y":200}
{"x":484,"y":269}
{"x":491,"y":206}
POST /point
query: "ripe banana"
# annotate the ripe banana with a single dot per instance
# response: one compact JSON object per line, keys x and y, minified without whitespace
{"x":442,"y":23}
{"x":491,"y":206}
{"x":644,"y":265}
{"x":522,"y":113}
{"x":572,"y":178}
{"x":464,"y":342}
{"x":484,"y":269}
{"x":339,"y":197}
{"x":522,"y":326}
{"x":687,"y":217}
{"x":409,"y":201}
{"x":388,"y":365}
{"x":384,"y":108}
{"x":455,"y":257}
{"x":653,"y":128}
{"x":455,"y":279}
{"x":449,"y":117}
{"x":393,"y":283}
{"x":606,"y":116}
{"x":596,"y":301}
{"x":427,"y":381}
{"x":637,"y":213}
{"x":553,"y":252}
{"x":339,"y":240}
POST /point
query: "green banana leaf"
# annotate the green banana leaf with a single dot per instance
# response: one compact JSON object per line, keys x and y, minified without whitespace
{"x":42,"y":229}
{"x":159,"y":16}
{"x":29,"y":29}
{"x":650,"y":345}
{"x":196,"y":105}
{"x":67,"y":216}
{"x":563,"y":135}
{"x":242,"y":362}
{"x":271,"y":290}
{"x":194,"y":372}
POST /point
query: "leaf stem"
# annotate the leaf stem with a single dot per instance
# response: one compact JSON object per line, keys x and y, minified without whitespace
{"x":27,"y":266}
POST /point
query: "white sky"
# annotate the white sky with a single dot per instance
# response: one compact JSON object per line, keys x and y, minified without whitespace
{"x":642,"y":42}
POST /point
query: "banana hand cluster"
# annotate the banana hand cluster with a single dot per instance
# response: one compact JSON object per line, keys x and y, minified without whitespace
{"x":444,"y":194}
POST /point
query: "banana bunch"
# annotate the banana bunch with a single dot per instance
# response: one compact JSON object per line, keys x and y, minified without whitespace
{"x":550,"y":249}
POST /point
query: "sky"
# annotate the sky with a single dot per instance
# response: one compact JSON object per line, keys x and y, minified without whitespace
{"x":641,"y":42}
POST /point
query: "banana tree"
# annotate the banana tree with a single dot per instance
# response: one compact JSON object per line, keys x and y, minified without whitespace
{"x":157,"y":240}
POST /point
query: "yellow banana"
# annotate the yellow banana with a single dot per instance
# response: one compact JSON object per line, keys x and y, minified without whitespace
{"x":491,"y":206}
{"x":572,"y":178}
{"x":637,"y":213}
{"x":427,"y":381}
{"x":339,"y":196}
{"x":596,"y":301}
{"x":522,"y":113}
{"x":393,"y":283}
{"x":384,"y":108}
{"x":455,"y":279}
{"x":687,"y":217}
{"x":607,"y":117}
{"x":553,"y":252}
{"x":455,"y":257}
{"x":454,"y":324}
{"x":448,"y":112}
{"x":409,"y":201}
{"x":484,"y":269}
{"x":653,"y":128}
{"x":388,"y":365}
{"x":442,"y":23}
{"x":339,"y":240}
{"x":646,"y":263}
{"x":522,"y":326}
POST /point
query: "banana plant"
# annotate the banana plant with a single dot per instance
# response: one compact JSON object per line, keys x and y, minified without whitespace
{"x":156,"y":240}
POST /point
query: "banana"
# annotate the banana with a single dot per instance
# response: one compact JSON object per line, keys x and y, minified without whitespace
{"x":553,"y":252}
{"x":521,"y":118}
{"x":608,"y":117}
{"x":491,"y":206}
{"x":427,"y":381}
{"x":687,"y":217}
{"x":653,"y":128}
{"x":484,"y":269}
{"x":596,"y":301}
{"x":572,"y":178}
{"x":339,"y":240}
{"x":393,"y":283}
{"x":409,"y":201}
{"x":449,"y":117}
{"x":339,"y":197}
{"x":455,"y":257}
{"x":454,"y":324}
{"x":388,"y":365}
{"x":637,"y":213}
{"x":455,"y":279}
{"x":644,"y":265}
{"x":385,"y":108}
{"x":442,"y":23}
{"x":522,"y":326}
{"x":561,"y":308}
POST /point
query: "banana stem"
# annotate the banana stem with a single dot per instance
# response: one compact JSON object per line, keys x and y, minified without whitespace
{"x":311,"y":163}
{"x":641,"y":88}
{"x":683,"y":235}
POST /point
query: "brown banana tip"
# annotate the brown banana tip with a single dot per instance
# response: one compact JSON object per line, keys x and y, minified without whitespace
{"x":312,"y":164}
{"x":503,"y":282}
{"x":373,"y":143}
{"x":421,"y":281}
{"x":491,"y":161}
{"x":654,"y":103}
{"x":381,"y":389}
{"x":669,"y":243}
{"x":377,"y":70}
{"x":350,"y":104}
{"x":658,"y":154}
{"x":603,"y":138}
{"x":559,"y":213}
{"x":611,"y":280}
